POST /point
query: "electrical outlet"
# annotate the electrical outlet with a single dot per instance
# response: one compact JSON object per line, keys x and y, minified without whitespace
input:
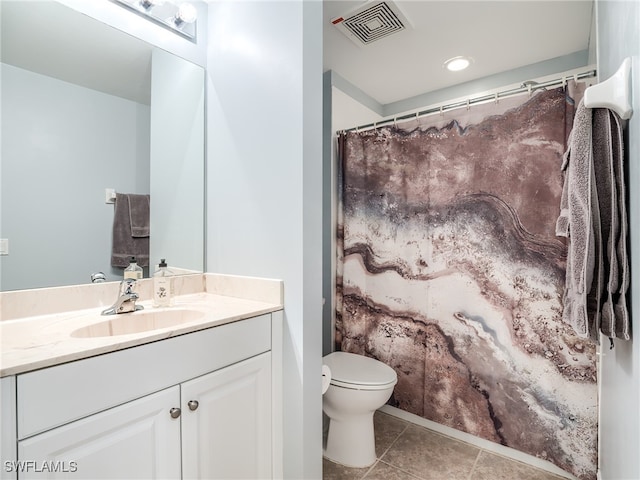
{"x":4,"y":246}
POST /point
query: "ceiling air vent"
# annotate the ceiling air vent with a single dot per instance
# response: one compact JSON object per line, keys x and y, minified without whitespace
{"x":371,"y":22}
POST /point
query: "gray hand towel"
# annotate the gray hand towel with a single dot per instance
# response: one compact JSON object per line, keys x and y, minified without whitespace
{"x":124,"y":244}
{"x":139,"y":215}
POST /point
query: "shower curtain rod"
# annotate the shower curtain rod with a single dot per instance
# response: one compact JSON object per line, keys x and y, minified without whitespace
{"x":526,"y":87}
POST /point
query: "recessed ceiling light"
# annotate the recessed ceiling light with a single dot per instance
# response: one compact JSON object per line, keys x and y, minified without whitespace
{"x":456,"y":64}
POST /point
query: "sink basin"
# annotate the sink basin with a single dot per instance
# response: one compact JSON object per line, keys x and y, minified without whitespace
{"x":138,"y":322}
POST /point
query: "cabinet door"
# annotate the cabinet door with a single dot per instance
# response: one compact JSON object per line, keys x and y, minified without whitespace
{"x":228,"y":434}
{"x":139,"y":439}
{"x":8,"y":451}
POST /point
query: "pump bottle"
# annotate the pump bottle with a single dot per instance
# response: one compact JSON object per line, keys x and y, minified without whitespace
{"x":163,"y":286}
{"x":133,"y":270}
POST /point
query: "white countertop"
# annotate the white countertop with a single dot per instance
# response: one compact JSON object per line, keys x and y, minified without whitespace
{"x":42,"y":341}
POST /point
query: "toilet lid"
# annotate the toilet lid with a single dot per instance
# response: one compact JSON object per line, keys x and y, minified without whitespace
{"x":352,"y":369}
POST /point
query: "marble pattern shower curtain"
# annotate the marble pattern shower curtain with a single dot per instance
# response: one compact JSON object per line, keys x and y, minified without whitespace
{"x":450,"y":272}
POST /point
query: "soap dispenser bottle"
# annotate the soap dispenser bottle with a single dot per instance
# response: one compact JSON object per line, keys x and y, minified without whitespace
{"x":163,"y":286}
{"x":133,"y":270}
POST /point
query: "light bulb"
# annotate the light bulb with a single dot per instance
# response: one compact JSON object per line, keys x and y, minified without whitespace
{"x":186,"y":14}
{"x":456,"y":64}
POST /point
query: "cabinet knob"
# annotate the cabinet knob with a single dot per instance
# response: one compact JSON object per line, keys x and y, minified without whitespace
{"x":174,"y":412}
{"x":193,"y":405}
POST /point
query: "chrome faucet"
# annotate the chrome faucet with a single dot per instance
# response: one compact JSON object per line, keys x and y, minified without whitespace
{"x":98,"y":277}
{"x":126,"y":301}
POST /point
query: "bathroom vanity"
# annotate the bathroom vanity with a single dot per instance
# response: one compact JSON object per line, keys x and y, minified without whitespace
{"x":199,"y":398}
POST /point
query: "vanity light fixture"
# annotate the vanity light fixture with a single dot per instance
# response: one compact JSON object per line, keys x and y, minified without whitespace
{"x":147,"y":5}
{"x":180,"y":19}
{"x":457,"y":64}
{"x":186,"y":14}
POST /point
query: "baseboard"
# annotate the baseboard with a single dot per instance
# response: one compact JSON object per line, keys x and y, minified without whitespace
{"x":479,"y":442}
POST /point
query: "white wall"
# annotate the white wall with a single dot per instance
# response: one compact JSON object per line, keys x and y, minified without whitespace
{"x":49,"y":133}
{"x":177,"y":170}
{"x":348,"y":113}
{"x":264,"y":183}
{"x":618,"y":25}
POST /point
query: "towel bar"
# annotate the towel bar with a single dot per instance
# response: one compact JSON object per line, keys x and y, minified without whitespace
{"x":613,"y":93}
{"x":109,"y":195}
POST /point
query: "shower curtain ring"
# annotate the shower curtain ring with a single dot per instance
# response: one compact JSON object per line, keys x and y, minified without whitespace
{"x":468,"y":104}
{"x":495,"y":98}
{"x":529,"y":89}
{"x":441,"y":111}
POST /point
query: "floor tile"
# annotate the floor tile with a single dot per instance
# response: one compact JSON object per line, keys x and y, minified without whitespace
{"x":382,"y":471}
{"x":431,"y":456}
{"x":495,"y":467}
{"x":410,"y":452}
{"x":335,"y":471}
{"x":387,"y":428}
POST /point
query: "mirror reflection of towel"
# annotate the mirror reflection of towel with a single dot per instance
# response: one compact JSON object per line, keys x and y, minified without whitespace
{"x":130,"y":230}
{"x":139,"y":215}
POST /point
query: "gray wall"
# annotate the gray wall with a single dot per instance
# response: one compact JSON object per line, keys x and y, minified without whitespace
{"x":618,"y":25}
{"x":58,"y":156}
{"x":264,"y":181}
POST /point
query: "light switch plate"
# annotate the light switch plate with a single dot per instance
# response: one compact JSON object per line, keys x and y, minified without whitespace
{"x":4,"y":246}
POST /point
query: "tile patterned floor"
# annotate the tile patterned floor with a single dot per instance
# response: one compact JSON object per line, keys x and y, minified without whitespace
{"x":410,"y":452}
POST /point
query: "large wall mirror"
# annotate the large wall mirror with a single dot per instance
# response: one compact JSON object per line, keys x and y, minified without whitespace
{"x":85,"y":108}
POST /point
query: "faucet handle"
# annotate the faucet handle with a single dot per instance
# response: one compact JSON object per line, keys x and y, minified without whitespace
{"x":98,"y":277}
{"x":127,"y":286}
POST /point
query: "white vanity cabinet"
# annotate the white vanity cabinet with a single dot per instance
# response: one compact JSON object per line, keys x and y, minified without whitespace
{"x":226,"y":424}
{"x":8,"y":446}
{"x":199,"y":405}
{"x":139,"y":439}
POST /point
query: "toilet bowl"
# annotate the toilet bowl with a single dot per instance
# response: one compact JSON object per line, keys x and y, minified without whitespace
{"x":359,"y":386}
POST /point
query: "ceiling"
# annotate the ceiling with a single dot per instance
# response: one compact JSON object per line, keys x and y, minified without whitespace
{"x":498,"y":35}
{"x":51,"y":39}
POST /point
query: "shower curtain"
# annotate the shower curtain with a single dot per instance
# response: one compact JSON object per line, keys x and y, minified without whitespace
{"x":449,"y":271}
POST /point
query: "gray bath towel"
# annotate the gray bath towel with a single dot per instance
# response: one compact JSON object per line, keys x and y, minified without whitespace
{"x":593,"y":217}
{"x":126,"y":221}
{"x":615,"y":313}
{"x":576,"y":222}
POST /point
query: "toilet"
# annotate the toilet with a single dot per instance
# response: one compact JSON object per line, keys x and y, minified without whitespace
{"x":358,"y":386}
